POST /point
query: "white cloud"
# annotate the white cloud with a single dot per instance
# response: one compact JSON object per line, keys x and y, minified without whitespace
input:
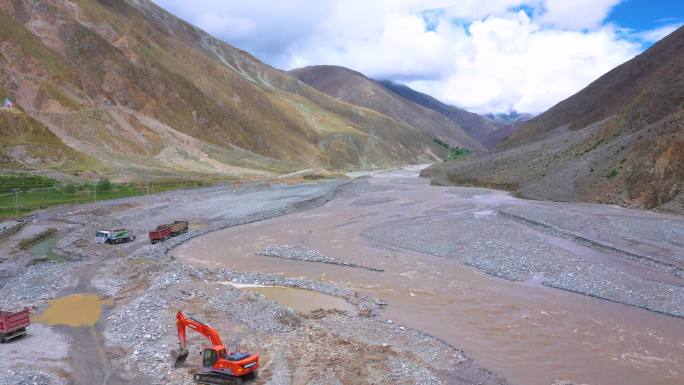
{"x":577,"y":14}
{"x":485,"y":56}
{"x":512,"y":63}
{"x":653,"y":35}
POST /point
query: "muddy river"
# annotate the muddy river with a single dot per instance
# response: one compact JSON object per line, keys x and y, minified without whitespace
{"x":529,"y":333}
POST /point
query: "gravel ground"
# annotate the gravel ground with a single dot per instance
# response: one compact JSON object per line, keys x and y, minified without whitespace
{"x":26,"y":377}
{"x":631,"y":234}
{"x":35,"y":285}
{"x":44,"y":344}
{"x":518,"y":254}
{"x":301,"y":253}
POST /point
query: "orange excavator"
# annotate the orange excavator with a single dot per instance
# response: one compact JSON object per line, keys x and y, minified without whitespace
{"x":219,"y":366}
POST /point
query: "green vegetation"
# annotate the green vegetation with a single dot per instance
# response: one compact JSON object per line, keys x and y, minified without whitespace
{"x":40,"y":192}
{"x":70,"y":188}
{"x":104,"y":185}
{"x":456,"y":153}
{"x":441,"y":143}
{"x":23,"y":182}
{"x":612,"y":173}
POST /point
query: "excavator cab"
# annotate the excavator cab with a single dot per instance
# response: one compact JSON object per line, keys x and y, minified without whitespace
{"x":211,"y":356}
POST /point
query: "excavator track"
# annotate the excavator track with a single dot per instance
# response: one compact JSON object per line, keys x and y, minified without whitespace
{"x":210,"y":378}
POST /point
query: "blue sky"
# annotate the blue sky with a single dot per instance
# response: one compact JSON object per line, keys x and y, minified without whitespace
{"x":485,"y":56}
{"x":647,"y":15}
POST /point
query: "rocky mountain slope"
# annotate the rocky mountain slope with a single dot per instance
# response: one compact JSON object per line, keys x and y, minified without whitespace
{"x":478,"y":127}
{"x":142,"y":92}
{"x":450,"y":124}
{"x":620,"y":140}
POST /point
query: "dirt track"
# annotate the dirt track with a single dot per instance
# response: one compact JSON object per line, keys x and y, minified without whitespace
{"x":450,"y":267}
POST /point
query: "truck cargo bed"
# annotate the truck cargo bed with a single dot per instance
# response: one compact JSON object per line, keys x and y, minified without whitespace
{"x":13,"y":324}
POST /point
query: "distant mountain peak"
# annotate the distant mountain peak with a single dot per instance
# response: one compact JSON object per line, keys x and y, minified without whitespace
{"x":509,"y":117}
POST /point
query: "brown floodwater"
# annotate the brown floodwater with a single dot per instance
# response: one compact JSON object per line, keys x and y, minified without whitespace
{"x":73,"y":310}
{"x":527,"y":333}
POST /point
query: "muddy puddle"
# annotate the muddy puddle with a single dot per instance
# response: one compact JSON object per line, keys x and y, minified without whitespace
{"x":301,"y":300}
{"x":73,"y":310}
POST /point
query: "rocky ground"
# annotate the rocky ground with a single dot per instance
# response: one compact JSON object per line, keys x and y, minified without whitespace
{"x":300,"y":253}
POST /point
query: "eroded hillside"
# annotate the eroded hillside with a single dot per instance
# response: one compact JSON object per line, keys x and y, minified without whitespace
{"x":141,"y":91}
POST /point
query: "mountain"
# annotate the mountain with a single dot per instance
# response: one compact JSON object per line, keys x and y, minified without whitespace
{"x":620,"y":140}
{"x":508,"y":118}
{"x":476,"y":126}
{"x":395,"y":101}
{"x":140,"y":92}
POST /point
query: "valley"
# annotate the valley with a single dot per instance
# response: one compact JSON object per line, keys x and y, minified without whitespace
{"x":348,"y":228}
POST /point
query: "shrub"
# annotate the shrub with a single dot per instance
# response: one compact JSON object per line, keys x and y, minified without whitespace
{"x":612,"y":173}
{"x":457,"y":153}
{"x":104,"y":185}
{"x":70,"y":188}
{"x":441,"y":143}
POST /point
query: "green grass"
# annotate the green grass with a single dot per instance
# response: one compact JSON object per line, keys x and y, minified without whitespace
{"x":453,"y":153}
{"x":29,"y":201}
{"x":612,"y":173}
{"x":22,"y":182}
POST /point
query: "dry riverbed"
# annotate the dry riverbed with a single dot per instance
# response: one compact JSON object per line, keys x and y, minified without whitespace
{"x":406,"y":275}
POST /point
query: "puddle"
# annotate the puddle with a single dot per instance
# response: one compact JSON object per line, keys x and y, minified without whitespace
{"x":301,"y":300}
{"x":44,"y":249}
{"x":73,"y":310}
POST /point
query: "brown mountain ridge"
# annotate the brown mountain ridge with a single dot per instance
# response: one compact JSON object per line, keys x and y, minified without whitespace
{"x":450,"y":124}
{"x":141,"y":92}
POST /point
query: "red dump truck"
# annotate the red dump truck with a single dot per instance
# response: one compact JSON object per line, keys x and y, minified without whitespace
{"x":164,"y":232}
{"x":13,"y":325}
{"x":161,"y":233}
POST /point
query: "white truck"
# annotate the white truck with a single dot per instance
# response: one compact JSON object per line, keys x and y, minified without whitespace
{"x":114,"y":236}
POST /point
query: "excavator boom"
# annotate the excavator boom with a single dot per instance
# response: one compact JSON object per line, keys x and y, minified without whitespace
{"x":183,"y":322}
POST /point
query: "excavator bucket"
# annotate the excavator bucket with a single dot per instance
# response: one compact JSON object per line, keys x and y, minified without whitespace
{"x":178,"y":357}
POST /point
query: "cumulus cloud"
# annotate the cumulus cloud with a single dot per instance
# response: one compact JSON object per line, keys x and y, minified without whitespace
{"x":513,"y":64}
{"x":493,"y":56}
